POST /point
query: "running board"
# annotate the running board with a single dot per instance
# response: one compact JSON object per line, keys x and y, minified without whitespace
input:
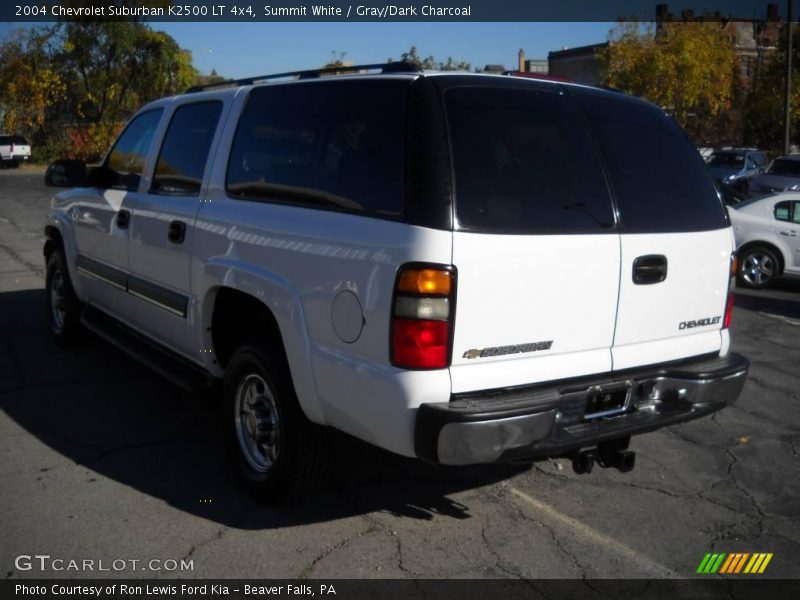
{"x":170,"y":366}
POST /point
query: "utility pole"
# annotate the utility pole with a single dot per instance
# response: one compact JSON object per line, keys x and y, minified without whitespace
{"x":787,"y":103}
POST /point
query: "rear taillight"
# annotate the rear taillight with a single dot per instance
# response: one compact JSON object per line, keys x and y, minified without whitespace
{"x":726,"y":322}
{"x":422,"y":317}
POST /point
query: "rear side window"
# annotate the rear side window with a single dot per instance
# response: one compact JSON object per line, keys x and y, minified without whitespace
{"x":787,"y":167}
{"x":788,"y":210}
{"x":184,"y":153}
{"x":658,"y":179}
{"x":18,"y":139}
{"x":333,"y":145}
{"x":5,"y":140}
{"x":783,"y":211}
{"x":524,"y":163}
{"x":726,"y":159}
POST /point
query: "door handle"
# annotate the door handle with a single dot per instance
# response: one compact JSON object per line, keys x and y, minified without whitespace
{"x":123,"y":219}
{"x":788,"y":233}
{"x":176,"y":232}
{"x":649,"y":269}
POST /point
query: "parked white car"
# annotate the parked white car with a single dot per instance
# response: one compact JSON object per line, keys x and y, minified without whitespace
{"x":462,"y":268}
{"x":767,"y":232}
{"x":14,"y":149}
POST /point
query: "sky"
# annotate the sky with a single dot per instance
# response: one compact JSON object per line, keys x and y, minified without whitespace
{"x":249,"y":49}
{"x":246,"y":49}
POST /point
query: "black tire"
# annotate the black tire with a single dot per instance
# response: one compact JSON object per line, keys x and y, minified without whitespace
{"x":62,"y":307}
{"x":758,"y":267}
{"x":294,"y":450}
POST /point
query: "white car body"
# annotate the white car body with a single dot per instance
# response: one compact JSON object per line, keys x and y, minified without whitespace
{"x":756,"y":223}
{"x":14,"y":149}
{"x":571,"y":294}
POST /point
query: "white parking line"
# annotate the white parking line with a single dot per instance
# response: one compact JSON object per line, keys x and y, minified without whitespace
{"x":651,"y":567}
{"x":788,"y":320}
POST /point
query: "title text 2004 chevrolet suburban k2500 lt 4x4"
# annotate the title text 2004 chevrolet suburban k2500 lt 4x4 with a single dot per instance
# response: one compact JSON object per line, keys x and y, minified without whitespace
{"x":462,"y":268}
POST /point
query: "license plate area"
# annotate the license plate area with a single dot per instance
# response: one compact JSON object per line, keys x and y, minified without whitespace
{"x":607,"y":401}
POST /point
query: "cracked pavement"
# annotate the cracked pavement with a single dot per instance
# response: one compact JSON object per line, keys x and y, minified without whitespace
{"x":103,"y":460}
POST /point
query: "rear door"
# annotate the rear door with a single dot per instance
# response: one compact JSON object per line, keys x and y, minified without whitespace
{"x":535,"y":245}
{"x":675,"y":238}
{"x":788,"y":212}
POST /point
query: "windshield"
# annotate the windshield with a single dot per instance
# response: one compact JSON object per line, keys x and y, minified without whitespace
{"x":726,"y":159}
{"x":786,"y":167}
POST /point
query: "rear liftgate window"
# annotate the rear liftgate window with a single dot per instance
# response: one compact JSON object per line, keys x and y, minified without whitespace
{"x":658,"y":178}
{"x":524,"y":163}
{"x":331,"y":145}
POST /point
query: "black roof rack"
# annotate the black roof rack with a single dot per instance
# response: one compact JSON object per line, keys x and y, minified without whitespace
{"x":392,"y":67}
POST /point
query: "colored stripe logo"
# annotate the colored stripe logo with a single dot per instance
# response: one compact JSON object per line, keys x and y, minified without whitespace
{"x":734,"y":563}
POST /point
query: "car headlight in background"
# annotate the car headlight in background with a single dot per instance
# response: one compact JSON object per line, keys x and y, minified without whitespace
{"x":793,"y":188}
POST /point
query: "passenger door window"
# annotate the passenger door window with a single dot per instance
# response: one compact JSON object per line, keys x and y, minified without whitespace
{"x":125,"y":164}
{"x":184,"y":153}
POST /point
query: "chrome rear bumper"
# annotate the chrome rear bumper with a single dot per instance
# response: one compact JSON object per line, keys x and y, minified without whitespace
{"x":519,"y":424}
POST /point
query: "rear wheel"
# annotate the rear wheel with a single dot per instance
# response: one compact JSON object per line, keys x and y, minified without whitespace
{"x":758,"y":267}
{"x":63,"y":309}
{"x":276,"y":449}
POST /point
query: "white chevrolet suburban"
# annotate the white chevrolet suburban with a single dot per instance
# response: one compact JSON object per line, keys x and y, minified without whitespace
{"x":462,"y":268}
{"x":14,"y":149}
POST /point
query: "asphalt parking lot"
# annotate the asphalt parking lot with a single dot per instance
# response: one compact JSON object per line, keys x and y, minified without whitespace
{"x":101,"y":460}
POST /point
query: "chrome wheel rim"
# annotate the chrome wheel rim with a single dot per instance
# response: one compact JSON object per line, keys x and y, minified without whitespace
{"x":758,"y":268}
{"x":57,"y":300}
{"x":257,"y":423}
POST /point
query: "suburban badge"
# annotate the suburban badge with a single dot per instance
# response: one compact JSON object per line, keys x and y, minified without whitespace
{"x":503,"y":350}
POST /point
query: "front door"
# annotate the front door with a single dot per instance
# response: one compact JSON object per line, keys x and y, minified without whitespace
{"x":162,"y":228}
{"x":102,"y":214}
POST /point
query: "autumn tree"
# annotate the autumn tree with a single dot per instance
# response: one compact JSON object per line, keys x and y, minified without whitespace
{"x":115,"y":67}
{"x":764,"y":108}
{"x":337,"y":60}
{"x":429,"y":63}
{"x":411,"y":57}
{"x":30,"y":82}
{"x":687,"y":68}
{"x":209,"y":79}
{"x":73,"y":83}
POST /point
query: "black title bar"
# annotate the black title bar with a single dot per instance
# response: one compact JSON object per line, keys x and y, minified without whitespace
{"x":246,"y":11}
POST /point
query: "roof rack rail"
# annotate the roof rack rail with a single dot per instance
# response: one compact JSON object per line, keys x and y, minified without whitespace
{"x":392,"y":67}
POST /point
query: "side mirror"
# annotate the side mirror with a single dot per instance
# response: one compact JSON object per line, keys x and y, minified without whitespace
{"x":66,"y":173}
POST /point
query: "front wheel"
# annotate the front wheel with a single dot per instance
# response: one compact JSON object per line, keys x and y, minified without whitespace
{"x":758,"y":267}
{"x":277,"y":451}
{"x":63,"y":308}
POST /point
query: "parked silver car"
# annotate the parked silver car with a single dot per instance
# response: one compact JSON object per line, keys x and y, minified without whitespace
{"x":736,"y":166}
{"x":782,"y":175}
